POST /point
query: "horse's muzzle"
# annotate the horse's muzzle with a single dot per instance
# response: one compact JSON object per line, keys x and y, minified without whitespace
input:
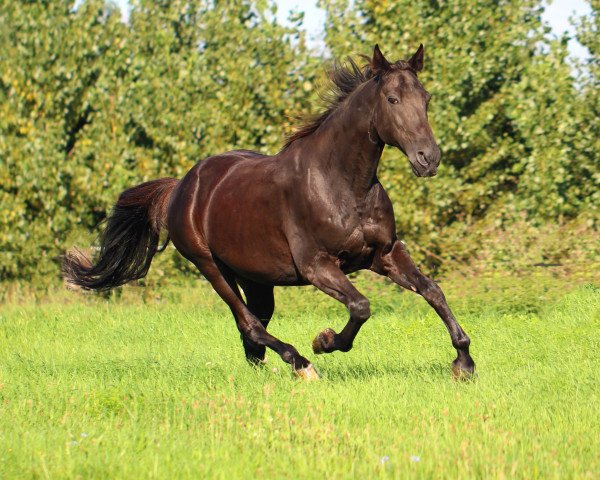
{"x":425,"y":162}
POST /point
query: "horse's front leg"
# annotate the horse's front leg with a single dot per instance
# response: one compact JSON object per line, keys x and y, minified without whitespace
{"x":399,"y":267}
{"x":325,"y":274}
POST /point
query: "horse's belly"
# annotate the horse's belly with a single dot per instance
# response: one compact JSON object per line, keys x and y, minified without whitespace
{"x":255,"y":255}
{"x":243,"y":229}
{"x":260,"y":263}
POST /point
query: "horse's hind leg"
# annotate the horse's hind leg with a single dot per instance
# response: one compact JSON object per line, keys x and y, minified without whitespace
{"x":222,"y":280}
{"x":260,"y":301}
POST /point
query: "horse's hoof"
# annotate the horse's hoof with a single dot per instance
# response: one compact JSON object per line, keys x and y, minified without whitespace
{"x":462,"y":373}
{"x":307,"y":373}
{"x":323,"y":342}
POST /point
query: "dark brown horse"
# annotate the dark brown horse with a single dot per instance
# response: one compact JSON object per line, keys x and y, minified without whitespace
{"x":309,"y":215}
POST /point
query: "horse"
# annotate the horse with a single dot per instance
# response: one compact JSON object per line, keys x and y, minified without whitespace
{"x":309,"y":215}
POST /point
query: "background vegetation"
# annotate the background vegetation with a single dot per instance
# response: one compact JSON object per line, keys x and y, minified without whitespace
{"x":90,"y":105}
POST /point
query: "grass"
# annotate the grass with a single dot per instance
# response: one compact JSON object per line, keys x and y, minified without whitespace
{"x":142,"y":387}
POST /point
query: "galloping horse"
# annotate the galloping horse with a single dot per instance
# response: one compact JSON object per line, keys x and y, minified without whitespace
{"x":309,"y":215}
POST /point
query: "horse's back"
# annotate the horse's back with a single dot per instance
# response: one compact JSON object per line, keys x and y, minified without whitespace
{"x":203,"y":177}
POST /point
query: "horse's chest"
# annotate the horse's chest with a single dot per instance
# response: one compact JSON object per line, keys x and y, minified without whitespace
{"x":354,"y":229}
{"x":372,"y":228}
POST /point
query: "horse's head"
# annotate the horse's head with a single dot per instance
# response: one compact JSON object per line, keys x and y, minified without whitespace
{"x":400,"y":114}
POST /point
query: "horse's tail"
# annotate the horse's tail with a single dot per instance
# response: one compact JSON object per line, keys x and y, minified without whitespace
{"x":129,"y":241}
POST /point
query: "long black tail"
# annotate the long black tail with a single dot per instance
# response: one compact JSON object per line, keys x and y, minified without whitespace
{"x":129,"y":241}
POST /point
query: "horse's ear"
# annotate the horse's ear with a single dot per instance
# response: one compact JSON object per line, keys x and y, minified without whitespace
{"x":379,"y":64}
{"x":416,"y":61}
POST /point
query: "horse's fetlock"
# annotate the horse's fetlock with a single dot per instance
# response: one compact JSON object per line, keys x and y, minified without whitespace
{"x":290,"y":355}
{"x":462,"y":343}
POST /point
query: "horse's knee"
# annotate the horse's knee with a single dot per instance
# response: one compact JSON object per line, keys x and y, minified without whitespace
{"x":360,"y":309}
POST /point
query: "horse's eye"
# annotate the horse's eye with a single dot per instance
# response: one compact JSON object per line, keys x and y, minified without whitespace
{"x":393,"y":100}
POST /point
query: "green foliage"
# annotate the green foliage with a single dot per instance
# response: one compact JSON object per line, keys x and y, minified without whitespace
{"x":49,"y":70}
{"x":90,"y":105}
{"x":589,"y":36}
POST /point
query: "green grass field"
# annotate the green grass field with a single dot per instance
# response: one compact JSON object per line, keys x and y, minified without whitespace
{"x":145,"y":387}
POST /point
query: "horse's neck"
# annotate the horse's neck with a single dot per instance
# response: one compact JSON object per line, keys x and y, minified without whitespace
{"x":346,"y":146}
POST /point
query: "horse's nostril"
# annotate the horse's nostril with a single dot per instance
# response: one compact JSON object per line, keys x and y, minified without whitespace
{"x":422,"y":159}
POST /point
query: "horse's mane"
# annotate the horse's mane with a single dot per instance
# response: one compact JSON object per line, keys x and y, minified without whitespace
{"x":344,"y":78}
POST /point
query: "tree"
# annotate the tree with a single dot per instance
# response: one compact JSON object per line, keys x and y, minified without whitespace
{"x":52,"y":59}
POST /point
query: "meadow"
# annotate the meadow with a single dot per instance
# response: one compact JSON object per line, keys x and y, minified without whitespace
{"x":149,"y":385}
